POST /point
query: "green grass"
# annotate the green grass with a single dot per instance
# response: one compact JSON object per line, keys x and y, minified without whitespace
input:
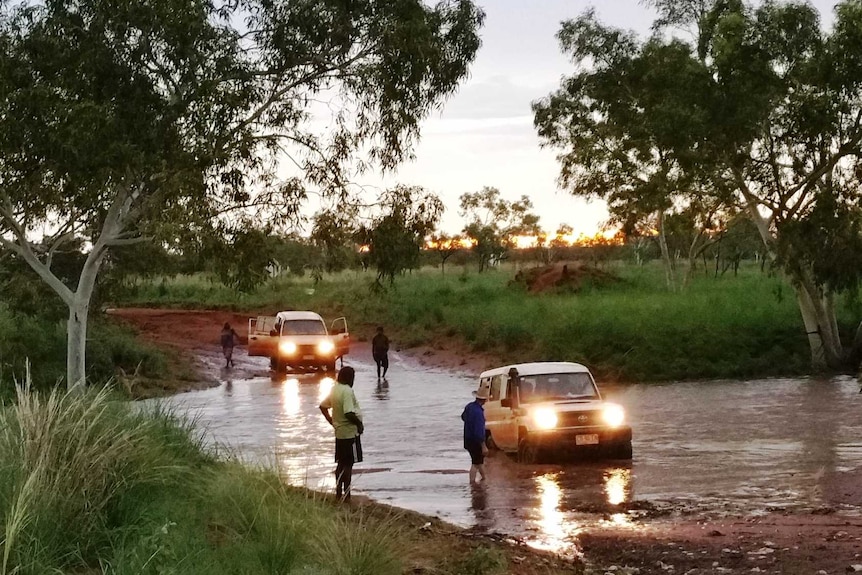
{"x":41,"y":343}
{"x":731,"y":326}
{"x":92,"y":485}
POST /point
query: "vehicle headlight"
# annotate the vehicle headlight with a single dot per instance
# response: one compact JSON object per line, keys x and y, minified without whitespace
{"x":325,"y":346}
{"x":614,"y":415}
{"x":544,"y":418}
{"x":287,"y":348}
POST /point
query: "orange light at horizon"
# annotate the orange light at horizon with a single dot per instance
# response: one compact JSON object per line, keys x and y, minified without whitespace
{"x":454,"y":243}
{"x":601,"y":237}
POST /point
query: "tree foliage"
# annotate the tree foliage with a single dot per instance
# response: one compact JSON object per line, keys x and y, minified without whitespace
{"x":125,"y":120}
{"x":493,"y":222}
{"x":396,"y":235}
{"x":761,"y":111}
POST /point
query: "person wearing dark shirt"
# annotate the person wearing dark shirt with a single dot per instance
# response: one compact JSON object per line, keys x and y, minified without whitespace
{"x":473,"y":417}
{"x":380,"y":351}
{"x":228,"y":338}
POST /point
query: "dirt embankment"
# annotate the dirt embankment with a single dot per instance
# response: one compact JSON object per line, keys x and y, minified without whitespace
{"x":827,"y":541}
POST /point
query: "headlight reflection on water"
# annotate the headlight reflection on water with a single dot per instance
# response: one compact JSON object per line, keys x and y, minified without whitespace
{"x":290,"y":402}
{"x":556,"y":531}
{"x":617,"y":491}
{"x":324,"y":388}
{"x":304,"y":455}
{"x":617,"y":485}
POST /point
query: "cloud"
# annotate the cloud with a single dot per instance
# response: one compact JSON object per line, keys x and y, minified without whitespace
{"x":494,"y":97}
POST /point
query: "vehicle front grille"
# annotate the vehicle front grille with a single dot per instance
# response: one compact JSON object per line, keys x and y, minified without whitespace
{"x":579,"y":418}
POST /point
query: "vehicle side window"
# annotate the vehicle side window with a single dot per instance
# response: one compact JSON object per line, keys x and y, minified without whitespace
{"x":495,"y":387}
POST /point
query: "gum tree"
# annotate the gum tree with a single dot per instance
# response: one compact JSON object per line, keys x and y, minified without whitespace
{"x":396,"y":234}
{"x":762,"y":110}
{"x":493,"y":222}
{"x":118,"y":119}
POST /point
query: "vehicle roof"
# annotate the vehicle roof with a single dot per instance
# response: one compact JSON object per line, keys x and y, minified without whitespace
{"x":293,"y":315}
{"x":537,"y":368}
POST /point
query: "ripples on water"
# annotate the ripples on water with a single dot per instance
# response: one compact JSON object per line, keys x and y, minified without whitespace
{"x":713,"y":447}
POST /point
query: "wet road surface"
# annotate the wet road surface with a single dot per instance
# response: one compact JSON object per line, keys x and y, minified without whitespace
{"x":713,"y":448}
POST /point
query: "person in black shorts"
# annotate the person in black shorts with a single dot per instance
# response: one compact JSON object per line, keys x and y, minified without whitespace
{"x":473,"y":417}
{"x":342,"y":412}
{"x":380,"y":351}
{"x":229,"y":338}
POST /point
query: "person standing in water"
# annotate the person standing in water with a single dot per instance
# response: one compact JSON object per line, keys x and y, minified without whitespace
{"x":346,"y":419}
{"x":229,"y":338}
{"x":473,"y":417}
{"x":380,"y":351}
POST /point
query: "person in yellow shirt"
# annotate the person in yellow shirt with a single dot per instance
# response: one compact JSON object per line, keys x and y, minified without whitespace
{"x":342,"y":412}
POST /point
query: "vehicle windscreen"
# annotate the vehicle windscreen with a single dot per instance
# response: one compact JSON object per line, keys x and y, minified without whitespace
{"x":303,"y":327}
{"x":557,"y":386}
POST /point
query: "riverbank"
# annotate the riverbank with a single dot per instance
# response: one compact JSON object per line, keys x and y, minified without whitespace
{"x":193,"y":335}
{"x":92,"y":484}
{"x":630,"y":330}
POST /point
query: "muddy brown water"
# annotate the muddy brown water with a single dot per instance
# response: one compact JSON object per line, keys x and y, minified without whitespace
{"x":711,"y":448}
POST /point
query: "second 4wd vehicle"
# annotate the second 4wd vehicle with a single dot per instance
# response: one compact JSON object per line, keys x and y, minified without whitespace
{"x":294,"y":340}
{"x":535,"y":410}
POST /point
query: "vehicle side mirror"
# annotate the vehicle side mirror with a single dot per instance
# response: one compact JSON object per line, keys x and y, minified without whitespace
{"x":506,"y":402}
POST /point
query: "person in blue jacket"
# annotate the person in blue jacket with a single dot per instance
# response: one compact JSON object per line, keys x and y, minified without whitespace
{"x":474,"y":434}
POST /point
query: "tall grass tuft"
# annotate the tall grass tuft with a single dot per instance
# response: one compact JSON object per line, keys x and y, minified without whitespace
{"x":356,"y":544}
{"x":68,"y":460}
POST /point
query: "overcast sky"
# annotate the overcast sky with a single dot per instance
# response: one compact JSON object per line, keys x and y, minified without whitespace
{"x":485,"y":134}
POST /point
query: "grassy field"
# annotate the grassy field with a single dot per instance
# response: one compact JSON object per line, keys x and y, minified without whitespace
{"x":635,"y":330}
{"x":92,"y":485}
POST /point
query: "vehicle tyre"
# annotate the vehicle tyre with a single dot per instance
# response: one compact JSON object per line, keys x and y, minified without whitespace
{"x":528,"y":452}
{"x":622,"y":450}
{"x":490,"y":443}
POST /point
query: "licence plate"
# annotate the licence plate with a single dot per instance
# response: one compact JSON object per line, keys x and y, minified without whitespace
{"x":307,"y":357}
{"x":587,"y":439}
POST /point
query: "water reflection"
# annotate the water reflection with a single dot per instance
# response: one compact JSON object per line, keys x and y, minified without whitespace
{"x":617,"y":483}
{"x":290,"y":396}
{"x":324,"y":387}
{"x":554,"y":528}
{"x":381,"y":392}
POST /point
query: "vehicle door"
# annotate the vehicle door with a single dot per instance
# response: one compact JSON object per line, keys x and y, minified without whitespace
{"x":497,"y":417}
{"x":508,"y":420}
{"x":340,"y":336}
{"x":262,"y":339}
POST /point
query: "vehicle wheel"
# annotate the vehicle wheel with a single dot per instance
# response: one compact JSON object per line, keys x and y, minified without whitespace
{"x":528,"y":452}
{"x":490,"y":443}
{"x":622,"y":450}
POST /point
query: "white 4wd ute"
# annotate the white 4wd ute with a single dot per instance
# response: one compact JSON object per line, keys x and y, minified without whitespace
{"x":295,"y":340}
{"x":544,"y":408}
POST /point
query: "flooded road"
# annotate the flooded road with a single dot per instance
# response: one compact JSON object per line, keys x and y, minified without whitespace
{"x":713,"y":448}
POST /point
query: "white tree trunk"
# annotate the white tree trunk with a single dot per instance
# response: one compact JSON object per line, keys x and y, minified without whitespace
{"x":76,"y":344}
{"x":669,"y":274}
{"x":816,"y":306}
{"x":78,"y":301}
{"x":821,"y":325}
